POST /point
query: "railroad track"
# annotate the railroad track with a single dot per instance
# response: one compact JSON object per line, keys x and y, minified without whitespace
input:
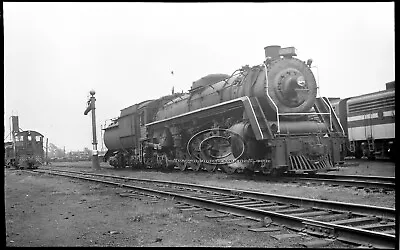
{"x":380,"y":184}
{"x":375,"y":183}
{"x":351,"y":223}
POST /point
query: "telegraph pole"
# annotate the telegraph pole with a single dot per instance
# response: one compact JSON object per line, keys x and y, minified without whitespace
{"x":91,"y":107}
{"x":47,"y":149}
{"x":15,"y":130}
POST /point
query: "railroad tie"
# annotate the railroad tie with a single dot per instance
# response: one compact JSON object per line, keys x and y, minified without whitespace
{"x":191,"y":209}
{"x":265,"y":229}
{"x":317,"y":243}
{"x":220,"y":215}
{"x":232,"y":219}
{"x":285,"y":236}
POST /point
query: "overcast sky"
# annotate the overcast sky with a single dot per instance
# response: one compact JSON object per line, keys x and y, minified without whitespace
{"x":55,"y":53}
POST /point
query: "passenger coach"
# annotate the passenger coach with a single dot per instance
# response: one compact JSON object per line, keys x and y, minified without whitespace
{"x":369,"y":123}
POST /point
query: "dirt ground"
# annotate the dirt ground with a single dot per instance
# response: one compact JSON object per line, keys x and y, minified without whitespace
{"x":366,"y":167}
{"x":44,"y":210}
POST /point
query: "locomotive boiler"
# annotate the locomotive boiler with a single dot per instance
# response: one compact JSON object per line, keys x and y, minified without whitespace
{"x":266,"y":118}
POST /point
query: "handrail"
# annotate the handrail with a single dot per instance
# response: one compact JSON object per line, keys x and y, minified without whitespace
{"x":305,"y":113}
{"x":252,"y":110}
{"x":330,"y":113}
{"x":340,"y":124}
{"x":329,"y":107}
{"x":276,"y":107}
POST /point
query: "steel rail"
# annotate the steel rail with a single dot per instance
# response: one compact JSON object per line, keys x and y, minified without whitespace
{"x":336,"y":205}
{"x":343,"y":233}
{"x":347,"y":182}
{"x":378,"y":182}
{"x":385,"y":179}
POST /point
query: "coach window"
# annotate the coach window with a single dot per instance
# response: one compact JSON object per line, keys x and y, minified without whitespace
{"x":38,"y":138}
{"x":29,"y":138}
{"x":380,"y":115}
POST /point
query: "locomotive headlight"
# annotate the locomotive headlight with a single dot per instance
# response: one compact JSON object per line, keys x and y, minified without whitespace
{"x":300,"y":81}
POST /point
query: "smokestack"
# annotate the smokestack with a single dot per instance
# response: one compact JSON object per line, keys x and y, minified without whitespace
{"x":272,"y":51}
{"x":15,"y":125}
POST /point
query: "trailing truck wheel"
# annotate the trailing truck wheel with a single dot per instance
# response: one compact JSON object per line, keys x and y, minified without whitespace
{"x":181,"y":159}
{"x":162,"y":161}
{"x":147,"y":163}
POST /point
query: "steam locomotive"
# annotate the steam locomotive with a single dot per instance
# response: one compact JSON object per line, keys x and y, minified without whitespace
{"x":266,"y":118}
{"x":26,"y":148}
{"x":369,"y":123}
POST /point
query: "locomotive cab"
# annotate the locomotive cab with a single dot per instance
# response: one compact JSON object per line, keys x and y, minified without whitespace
{"x":26,"y":151}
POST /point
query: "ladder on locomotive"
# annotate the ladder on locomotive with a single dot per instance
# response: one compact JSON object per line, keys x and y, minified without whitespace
{"x":352,"y":146}
{"x":369,"y":137}
{"x":371,"y":144}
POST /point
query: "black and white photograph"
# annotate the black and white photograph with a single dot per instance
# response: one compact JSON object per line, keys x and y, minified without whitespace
{"x":199,"y":124}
